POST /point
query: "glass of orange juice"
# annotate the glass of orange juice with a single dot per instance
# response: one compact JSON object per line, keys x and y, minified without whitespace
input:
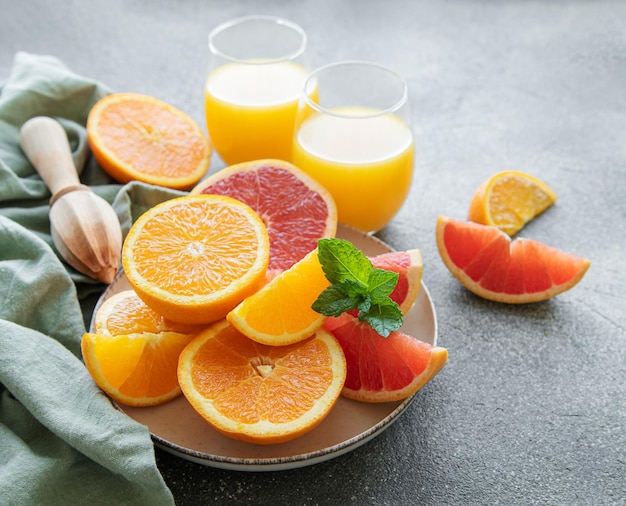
{"x":353,"y":134}
{"x":257,"y":68}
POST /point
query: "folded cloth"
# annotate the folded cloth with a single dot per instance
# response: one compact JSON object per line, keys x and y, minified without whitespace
{"x":61,"y":439}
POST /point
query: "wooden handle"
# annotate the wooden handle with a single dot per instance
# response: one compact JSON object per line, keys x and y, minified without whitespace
{"x":45,"y":143}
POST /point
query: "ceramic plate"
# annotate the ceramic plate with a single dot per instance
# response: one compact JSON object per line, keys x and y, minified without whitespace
{"x":178,"y":429}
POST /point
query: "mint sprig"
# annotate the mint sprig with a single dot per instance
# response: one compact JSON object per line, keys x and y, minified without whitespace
{"x":357,"y":285}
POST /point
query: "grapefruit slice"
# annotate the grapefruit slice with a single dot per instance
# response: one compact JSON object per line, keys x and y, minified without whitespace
{"x":383,"y":369}
{"x":408,"y":265}
{"x":488,"y":263}
{"x":296,"y":209}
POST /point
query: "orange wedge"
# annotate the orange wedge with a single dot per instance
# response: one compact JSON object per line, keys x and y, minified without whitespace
{"x":258,"y":393}
{"x":509,"y":200}
{"x":280,"y":313}
{"x":192,"y":259}
{"x":133,"y":351}
{"x":135,"y":369}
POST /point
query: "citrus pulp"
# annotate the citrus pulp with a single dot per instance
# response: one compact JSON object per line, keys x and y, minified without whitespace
{"x":509,"y":200}
{"x":258,"y":393}
{"x":280,"y":313}
{"x":488,"y":263}
{"x":383,"y":369}
{"x":135,"y":369}
{"x":138,"y":137}
{"x":194,"y":258}
{"x":295,"y":208}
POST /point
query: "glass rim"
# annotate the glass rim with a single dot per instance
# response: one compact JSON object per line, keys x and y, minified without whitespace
{"x":258,"y":17}
{"x":345,"y":63}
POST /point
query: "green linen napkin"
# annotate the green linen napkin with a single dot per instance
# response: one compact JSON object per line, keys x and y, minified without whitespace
{"x":61,"y":440}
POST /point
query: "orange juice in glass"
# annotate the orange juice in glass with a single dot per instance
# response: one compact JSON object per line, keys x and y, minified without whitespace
{"x":256,"y":74}
{"x":354,"y":136}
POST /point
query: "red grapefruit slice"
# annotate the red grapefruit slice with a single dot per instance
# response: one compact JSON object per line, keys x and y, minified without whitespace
{"x":408,"y":265}
{"x":295,"y":208}
{"x":383,"y":369}
{"x":488,"y":263}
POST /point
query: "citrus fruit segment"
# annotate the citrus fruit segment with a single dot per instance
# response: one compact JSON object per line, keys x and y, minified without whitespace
{"x":383,"y":369}
{"x":488,"y":263}
{"x":258,"y":393}
{"x":509,"y":200}
{"x":280,"y":313}
{"x":295,"y":208}
{"x":408,"y":265}
{"x":138,"y":137}
{"x":126,"y":313}
{"x":194,"y":258}
{"x":135,"y":369}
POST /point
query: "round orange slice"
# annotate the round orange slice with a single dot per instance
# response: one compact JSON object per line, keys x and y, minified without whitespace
{"x":509,"y":200}
{"x":192,"y":259}
{"x":138,"y":137}
{"x":488,"y":263}
{"x":295,"y":208}
{"x":258,"y":393}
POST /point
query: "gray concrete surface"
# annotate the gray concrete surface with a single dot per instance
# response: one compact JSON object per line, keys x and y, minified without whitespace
{"x":531,"y":407}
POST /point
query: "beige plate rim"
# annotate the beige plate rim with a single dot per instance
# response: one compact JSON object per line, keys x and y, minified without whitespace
{"x":177,"y":429}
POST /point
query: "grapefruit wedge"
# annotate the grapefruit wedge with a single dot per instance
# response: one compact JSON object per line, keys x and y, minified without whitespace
{"x":488,"y":263}
{"x":383,"y":369}
{"x":296,"y":209}
{"x":408,"y":265}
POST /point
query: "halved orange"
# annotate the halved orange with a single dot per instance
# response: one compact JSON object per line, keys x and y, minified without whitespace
{"x":280,"y":313}
{"x":510,"y":199}
{"x":488,"y":263}
{"x":383,"y":369}
{"x":258,"y":393}
{"x":138,"y":137}
{"x":192,"y":259}
{"x":408,"y":265}
{"x":135,"y":369}
{"x":295,"y":208}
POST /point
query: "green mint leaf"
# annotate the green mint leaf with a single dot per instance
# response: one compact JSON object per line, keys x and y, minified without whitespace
{"x":357,"y":285}
{"x":355,"y":289}
{"x":364,"y":305}
{"x":381,"y":283}
{"x":341,"y":261}
{"x":384,"y":317}
{"x":333,"y":301}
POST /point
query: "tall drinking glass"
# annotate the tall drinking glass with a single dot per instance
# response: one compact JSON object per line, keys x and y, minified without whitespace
{"x":257,"y":68}
{"x":353,"y":134}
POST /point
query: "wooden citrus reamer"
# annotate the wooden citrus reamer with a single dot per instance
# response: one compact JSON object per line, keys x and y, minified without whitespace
{"x":85,"y":229}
